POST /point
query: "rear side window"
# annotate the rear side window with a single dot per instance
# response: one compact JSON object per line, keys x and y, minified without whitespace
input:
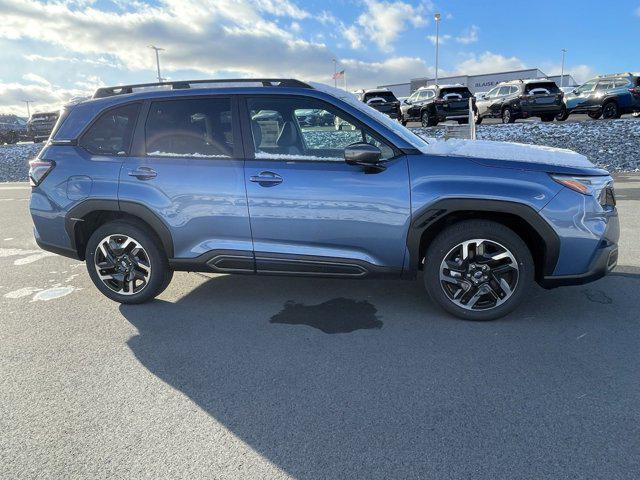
{"x":190,"y":128}
{"x":111,"y":133}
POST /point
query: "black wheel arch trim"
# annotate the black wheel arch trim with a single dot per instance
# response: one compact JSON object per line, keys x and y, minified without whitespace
{"x":85,"y":207}
{"x":430,"y":214}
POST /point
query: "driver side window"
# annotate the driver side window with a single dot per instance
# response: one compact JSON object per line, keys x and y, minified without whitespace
{"x":304,"y":129}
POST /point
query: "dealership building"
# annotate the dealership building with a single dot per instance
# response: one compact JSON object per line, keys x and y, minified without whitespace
{"x":477,"y":83}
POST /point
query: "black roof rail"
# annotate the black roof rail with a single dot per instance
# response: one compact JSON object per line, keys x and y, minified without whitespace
{"x":103,"y":92}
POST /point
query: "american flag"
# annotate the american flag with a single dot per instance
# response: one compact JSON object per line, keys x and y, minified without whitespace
{"x":338,"y":75}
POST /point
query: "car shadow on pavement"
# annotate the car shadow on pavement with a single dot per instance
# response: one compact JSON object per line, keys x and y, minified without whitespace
{"x":418,"y":395}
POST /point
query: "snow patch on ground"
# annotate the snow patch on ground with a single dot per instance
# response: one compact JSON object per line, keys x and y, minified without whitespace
{"x":53,"y":293}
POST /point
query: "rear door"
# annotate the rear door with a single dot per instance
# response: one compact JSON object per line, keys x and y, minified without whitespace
{"x":311,"y":213}
{"x":187,"y":169}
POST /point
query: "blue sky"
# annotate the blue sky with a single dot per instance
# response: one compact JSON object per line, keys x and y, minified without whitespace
{"x":53,"y":50}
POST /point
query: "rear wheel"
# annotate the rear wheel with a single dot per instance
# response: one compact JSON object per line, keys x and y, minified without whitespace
{"x":507,"y":116}
{"x":478,"y":270}
{"x":610,"y":110}
{"x":595,"y":115}
{"x":563,"y":115}
{"x":126,"y":263}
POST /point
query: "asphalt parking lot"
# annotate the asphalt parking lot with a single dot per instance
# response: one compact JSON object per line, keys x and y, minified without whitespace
{"x":236,"y":377}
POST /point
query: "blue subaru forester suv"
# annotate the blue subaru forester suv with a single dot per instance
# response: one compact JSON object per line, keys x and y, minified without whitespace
{"x":221,"y":176}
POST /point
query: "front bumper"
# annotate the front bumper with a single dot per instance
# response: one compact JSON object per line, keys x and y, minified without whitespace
{"x":605,"y":260}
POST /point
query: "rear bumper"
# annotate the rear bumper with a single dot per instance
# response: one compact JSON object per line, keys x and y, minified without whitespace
{"x":538,"y":110}
{"x":58,"y":250}
{"x":605,"y":260}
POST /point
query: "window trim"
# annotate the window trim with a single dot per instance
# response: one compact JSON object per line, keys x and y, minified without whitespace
{"x":98,"y":116}
{"x":140,"y":142}
{"x":247,"y":137}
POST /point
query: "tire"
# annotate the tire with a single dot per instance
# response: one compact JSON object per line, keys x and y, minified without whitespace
{"x":403,"y":123}
{"x":497,"y":239}
{"x":144,"y":257}
{"x":595,"y":115}
{"x":547,"y":118}
{"x":563,"y":115}
{"x":478,"y":118}
{"x":610,"y":110}
{"x":463,"y":122}
{"x":507,"y":116}
{"x":427,"y":120}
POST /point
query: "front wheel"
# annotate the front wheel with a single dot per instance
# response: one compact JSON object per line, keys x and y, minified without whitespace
{"x":427,"y":120}
{"x":126,"y":263}
{"x":478,"y":270}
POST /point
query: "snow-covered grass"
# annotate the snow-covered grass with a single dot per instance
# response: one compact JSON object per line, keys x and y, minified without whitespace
{"x":610,"y":144}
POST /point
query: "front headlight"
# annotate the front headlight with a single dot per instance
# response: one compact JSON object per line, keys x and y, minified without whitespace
{"x":601,"y":187}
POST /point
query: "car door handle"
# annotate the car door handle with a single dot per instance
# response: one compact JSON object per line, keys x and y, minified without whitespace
{"x":143,"y":173}
{"x":266,"y":179}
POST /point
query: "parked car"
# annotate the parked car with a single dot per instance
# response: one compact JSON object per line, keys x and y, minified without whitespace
{"x":382,"y":100}
{"x":12,"y":129}
{"x":40,"y":125}
{"x":607,"y":96}
{"x":438,"y":103}
{"x":517,"y":99}
{"x":314,"y":117}
{"x":156,"y":181}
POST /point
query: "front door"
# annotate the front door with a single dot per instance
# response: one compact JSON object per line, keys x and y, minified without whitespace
{"x":187,"y":167}
{"x":310,"y":212}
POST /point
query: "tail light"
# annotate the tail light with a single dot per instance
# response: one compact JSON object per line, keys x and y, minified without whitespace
{"x":38,"y":170}
{"x":635,"y":91}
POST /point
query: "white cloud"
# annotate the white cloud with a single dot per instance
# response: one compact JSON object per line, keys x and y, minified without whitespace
{"x":581,"y":73}
{"x":33,"y":78}
{"x":469,"y":36}
{"x":44,"y":97}
{"x":213,"y":37}
{"x":394,"y":70}
{"x":382,"y":22}
{"x":489,"y":62}
{"x":443,"y":39}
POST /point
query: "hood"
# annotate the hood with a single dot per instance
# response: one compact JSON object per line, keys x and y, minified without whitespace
{"x":515,"y":155}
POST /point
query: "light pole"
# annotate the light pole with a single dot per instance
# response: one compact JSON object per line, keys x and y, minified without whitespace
{"x":335,"y":72}
{"x":437,"y":19}
{"x":564,"y":51}
{"x":28,"y":111}
{"x":157,"y":49}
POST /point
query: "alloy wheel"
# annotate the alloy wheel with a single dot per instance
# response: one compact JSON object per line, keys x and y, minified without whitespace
{"x":122,"y":264}
{"x":479,"y":274}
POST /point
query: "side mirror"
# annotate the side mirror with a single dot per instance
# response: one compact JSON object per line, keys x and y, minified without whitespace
{"x":483,"y":96}
{"x":363,"y":154}
{"x":407,"y":101}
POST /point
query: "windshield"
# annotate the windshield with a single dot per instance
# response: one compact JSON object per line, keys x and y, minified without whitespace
{"x":403,"y":132}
